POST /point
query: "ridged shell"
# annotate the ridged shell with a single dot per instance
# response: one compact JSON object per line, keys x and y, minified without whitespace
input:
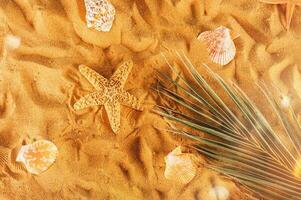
{"x":219,"y":44}
{"x":179,"y":168}
{"x":100,"y":14}
{"x":38,"y":156}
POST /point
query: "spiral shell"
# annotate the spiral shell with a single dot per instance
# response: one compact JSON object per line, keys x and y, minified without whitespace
{"x":38,"y":156}
{"x":100,"y":14}
{"x":219,"y":44}
{"x":179,"y":167}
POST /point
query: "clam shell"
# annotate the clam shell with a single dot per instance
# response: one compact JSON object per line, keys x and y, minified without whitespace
{"x":179,"y":168}
{"x":219,"y":44}
{"x":100,"y":14}
{"x":38,"y":156}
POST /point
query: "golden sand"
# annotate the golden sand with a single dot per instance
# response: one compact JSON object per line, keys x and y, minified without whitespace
{"x":40,"y":82}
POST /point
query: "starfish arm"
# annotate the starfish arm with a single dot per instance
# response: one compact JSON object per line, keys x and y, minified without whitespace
{"x":113,"y":111}
{"x":93,"y":99}
{"x":289,"y":14}
{"x":127,"y":99}
{"x":122,"y":72}
{"x":274,"y":1}
{"x":93,"y":77}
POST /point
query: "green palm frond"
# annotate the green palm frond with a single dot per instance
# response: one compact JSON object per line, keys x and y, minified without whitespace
{"x":247,"y":150}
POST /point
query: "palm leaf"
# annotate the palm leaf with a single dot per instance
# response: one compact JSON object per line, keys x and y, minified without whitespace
{"x":248,"y":150}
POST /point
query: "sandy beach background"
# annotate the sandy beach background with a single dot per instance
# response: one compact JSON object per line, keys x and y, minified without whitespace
{"x":40,"y":81}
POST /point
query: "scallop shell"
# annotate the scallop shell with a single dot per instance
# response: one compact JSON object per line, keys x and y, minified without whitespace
{"x":179,"y":167}
{"x":220,"y":46}
{"x":100,"y":14}
{"x":38,"y":156}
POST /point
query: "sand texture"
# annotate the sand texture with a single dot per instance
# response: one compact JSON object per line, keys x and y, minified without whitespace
{"x":40,"y":82}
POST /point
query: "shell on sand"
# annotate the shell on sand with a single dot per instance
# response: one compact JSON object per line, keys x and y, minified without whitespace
{"x":179,"y":167}
{"x":38,"y":156}
{"x":100,"y":14}
{"x":219,"y":44}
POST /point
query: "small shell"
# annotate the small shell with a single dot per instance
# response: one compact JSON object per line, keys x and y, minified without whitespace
{"x":100,"y":14}
{"x":220,"y":46}
{"x":179,"y":167}
{"x":38,"y":156}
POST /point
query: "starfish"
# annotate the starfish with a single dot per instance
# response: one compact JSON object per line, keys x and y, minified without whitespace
{"x":290,"y":8}
{"x":109,"y":93}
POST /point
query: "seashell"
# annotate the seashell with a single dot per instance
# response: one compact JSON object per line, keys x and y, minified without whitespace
{"x":100,"y":14}
{"x":220,"y":46}
{"x":38,"y":156}
{"x":179,"y":167}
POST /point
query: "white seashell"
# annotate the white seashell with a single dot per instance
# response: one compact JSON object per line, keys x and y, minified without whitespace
{"x":12,"y":42}
{"x":220,"y":46}
{"x":179,"y":167}
{"x":38,"y":156}
{"x":100,"y":14}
